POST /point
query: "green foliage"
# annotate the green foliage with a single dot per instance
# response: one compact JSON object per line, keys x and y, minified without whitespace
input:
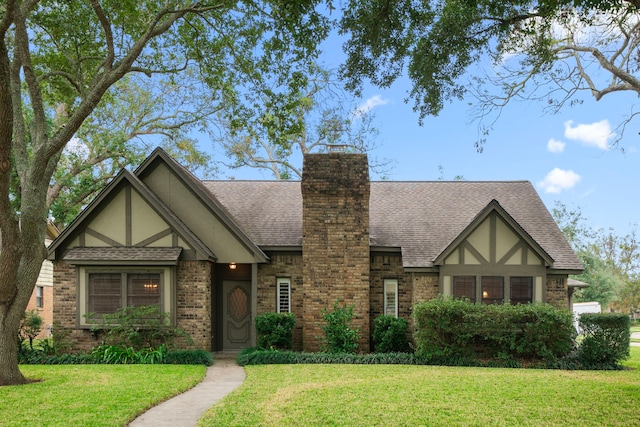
{"x":38,"y":357}
{"x":188,"y":357}
{"x":275,"y":330}
{"x":30,"y":326}
{"x":449,"y":328}
{"x":138,"y":328}
{"x":605,"y":341}
{"x":117,"y":355}
{"x":390,"y":334}
{"x":271,"y":357}
{"x":340,"y":337}
{"x":113,"y":354}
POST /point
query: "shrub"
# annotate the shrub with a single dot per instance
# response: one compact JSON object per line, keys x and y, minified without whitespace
{"x":449,"y":329}
{"x":275,"y":330}
{"x":340,"y":337}
{"x":271,"y":357}
{"x":606,"y":339}
{"x":39,"y":357}
{"x":137,"y":327}
{"x":443,"y":328}
{"x":390,"y":334}
{"x":30,"y":326}
{"x":188,"y":357}
{"x":113,"y":354}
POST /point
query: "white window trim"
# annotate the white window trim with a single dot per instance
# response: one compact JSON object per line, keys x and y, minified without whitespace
{"x":390,"y":285}
{"x":283,"y":283}
{"x":39,"y":296}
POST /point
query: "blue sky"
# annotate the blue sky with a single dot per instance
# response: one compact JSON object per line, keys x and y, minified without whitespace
{"x":567,"y":156}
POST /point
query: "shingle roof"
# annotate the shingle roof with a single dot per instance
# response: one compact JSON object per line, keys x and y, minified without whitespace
{"x":95,"y":255}
{"x":421,"y":218}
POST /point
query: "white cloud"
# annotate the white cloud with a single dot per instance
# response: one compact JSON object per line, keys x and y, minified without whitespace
{"x":555,"y":146}
{"x":558,"y":180}
{"x":369,"y":104}
{"x":595,"y":134}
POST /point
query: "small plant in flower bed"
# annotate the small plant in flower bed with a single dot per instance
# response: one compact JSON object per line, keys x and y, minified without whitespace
{"x":340,"y":337}
{"x":113,"y":354}
{"x":390,"y":334}
{"x":275,"y":330}
{"x":137,"y":327}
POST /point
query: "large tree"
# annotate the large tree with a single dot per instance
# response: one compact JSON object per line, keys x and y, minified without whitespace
{"x":611,"y":262}
{"x":549,"y":50}
{"x":325,"y":117}
{"x":136,"y":114}
{"x":58,"y":60}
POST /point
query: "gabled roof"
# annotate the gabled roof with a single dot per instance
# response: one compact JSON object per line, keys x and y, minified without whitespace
{"x":125,"y":177}
{"x":202,"y":192}
{"x":421,"y":218}
{"x":493,"y":206}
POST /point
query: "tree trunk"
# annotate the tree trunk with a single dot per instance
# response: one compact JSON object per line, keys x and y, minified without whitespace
{"x":9,"y":372}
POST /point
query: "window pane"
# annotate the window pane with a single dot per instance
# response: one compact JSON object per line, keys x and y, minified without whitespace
{"x":464,"y":287}
{"x":521,"y":290}
{"x":39,"y":296}
{"x":143,"y":289}
{"x":492,"y":290}
{"x":104,"y":293}
{"x":391,"y":298}
{"x":284,"y":297}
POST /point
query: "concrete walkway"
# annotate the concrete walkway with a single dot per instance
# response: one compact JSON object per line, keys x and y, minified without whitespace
{"x":186,"y":409}
{"x":635,"y":335}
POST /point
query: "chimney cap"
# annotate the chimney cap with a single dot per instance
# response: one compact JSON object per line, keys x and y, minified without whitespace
{"x":337,"y":148}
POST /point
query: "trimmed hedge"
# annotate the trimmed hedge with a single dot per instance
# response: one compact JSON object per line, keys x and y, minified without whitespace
{"x":606,"y":339}
{"x":390,"y":334}
{"x":275,"y":330}
{"x":454,"y":328}
{"x":255,"y":356}
{"x":171,"y":357}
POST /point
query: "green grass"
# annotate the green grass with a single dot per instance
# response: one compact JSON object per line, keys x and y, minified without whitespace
{"x":92,"y":395}
{"x":382,"y":395}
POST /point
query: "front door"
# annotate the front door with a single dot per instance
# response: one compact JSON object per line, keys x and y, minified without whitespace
{"x":236,"y":309}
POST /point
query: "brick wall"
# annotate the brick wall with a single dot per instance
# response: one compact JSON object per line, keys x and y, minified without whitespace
{"x":383,"y":267}
{"x":194,"y":301}
{"x":557,"y":291}
{"x":64,"y":306}
{"x":426,"y":286}
{"x":284,"y":266}
{"x":335,"y":241}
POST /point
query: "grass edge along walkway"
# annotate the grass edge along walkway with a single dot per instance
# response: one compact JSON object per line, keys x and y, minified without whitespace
{"x":380,"y":395}
{"x":92,"y":395}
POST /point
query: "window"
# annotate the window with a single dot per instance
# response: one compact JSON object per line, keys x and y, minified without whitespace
{"x":464,"y":287}
{"x":107,"y":292}
{"x":283,"y":297}
{"x":39,"y":296}
{"x":492,"y":290}
{"x":391,"y":297}
{"x":521,"y":290}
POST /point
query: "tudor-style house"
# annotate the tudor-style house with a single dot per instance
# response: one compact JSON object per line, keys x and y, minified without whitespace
{"x":214,"y":254}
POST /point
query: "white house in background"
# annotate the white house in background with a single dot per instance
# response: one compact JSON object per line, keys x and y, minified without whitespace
{"x":584,"y":307}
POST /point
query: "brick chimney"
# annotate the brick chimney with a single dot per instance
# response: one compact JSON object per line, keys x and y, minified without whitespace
{"x":335,"y":241}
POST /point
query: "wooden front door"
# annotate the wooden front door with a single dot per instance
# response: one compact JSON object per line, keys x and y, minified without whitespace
{"x":236,"y":309}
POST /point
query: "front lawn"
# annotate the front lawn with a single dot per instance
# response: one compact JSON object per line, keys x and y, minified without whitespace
{"x":92,"y":395}
{"x":382,"y":395}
